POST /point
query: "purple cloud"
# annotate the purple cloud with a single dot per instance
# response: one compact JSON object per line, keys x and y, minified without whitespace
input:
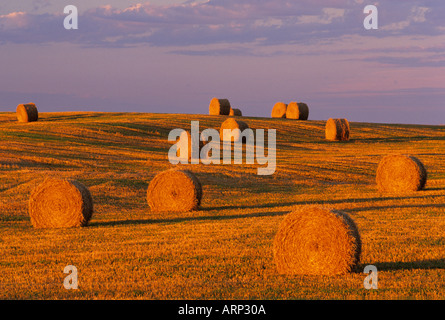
{"x":409,"y":62}
{"x":225,"y":21}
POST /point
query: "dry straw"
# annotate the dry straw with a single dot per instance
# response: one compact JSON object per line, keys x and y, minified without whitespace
{"x":232,"y":124}
{"x":279,"y":110}
{"x":174,"y":191}
{"x":297,"y":110}
{"x":235,"y":112}
{"x":400,"y":173}
{"x":27,"y":112}
{"x":60,"y":203}
{"x":313,"y":240}
{"x":337,"y":130}
{"x":219,"y":107}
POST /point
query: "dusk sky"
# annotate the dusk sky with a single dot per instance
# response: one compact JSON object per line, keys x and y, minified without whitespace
{"x":173,"y":56}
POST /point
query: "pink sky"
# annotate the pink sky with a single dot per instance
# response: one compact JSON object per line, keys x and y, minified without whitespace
{"x":174,"y":58}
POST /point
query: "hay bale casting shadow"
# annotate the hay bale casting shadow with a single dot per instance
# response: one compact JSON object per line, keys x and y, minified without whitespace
{"x":279,"y":110}
{"x":337,"y":130}
{"x":219,"y":107}
{"x":27,"y":112}
{"x":297,"y":110}
{"x":400,"y":173}
{"x":60,"y":203}
{"x":174,"y":190}
{"x":235,"y":112}
{"x":316,"y":241}
{"x":228,"y":132}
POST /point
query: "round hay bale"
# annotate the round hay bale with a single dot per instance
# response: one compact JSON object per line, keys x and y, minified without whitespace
{"x":185,"y":141}
{"x":27,"y":112}
{"x":174,"y":191}
{"x":297,"y":110}
{"x":279,"y":110}
{"x":400,"y":173}
{"x":219,"y":107}
{"x":313,"y":240}
{"x":232,"y":124}
{"x":337,"y":130}
{"x":60,"y":203}
{"x":235,"y":112}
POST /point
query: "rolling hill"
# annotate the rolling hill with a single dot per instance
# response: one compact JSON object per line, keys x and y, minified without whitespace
{"x":224,"y":250}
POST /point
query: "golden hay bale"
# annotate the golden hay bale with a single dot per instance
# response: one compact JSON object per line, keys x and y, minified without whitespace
{"x":235,"y":112}
{"x":175,"y":191}
{"x":232,"y":124}
{"x":279,"y":110}
{"x":313,"y":240}
{"x":185,"y":141}
{"x":297,"y":110}
{"x":27,"y":112}
{"x":219,"y":107}
{"x":60,"y":203}
{"x":337,"y":130}
{"x":400,"y":173}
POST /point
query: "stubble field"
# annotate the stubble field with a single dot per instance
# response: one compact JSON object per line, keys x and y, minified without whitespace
{"x":224,"y":250}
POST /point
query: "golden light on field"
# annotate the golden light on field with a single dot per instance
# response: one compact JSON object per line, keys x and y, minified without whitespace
{"x":224,"y":250}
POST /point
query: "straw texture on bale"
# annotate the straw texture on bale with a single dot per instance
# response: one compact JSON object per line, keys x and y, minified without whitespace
{"x":219,"y":107}
{"x":279,"y":110}
{"x":313,"y":240}
{"x":297,"y":110}
{"x":337,"y":130}
{"x":185,"y":141}
{"x":235,"y":112}
{"x":174,"y":191}
{"x":27,"y":112}
{"x":60,"y":203}
{"x":232,"y":124}
{"x":400,"y":173}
